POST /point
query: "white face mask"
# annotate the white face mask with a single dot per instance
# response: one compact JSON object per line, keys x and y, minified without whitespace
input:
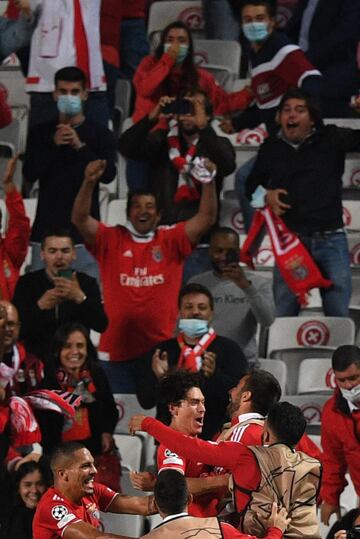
{"x":352,"y":395}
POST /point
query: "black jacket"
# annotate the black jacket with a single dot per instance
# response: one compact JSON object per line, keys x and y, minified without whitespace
{"x":231,"y":365}
{"x":103,"y":414}
{"x":38,"y":327}
{"x":139,"y":142}
{"x":312,"y":175}
{"x":60,"y":171}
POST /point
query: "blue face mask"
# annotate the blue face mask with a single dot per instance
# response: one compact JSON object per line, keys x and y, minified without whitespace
{"x":182,"y":54}
{"x":70,"y":105}
{"x":255,"y":31}
{"x":193,"y":327}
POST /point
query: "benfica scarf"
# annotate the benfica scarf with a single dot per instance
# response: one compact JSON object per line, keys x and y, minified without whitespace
{"x":190,"y":358}
{"x":295,"y":264}
{"x":186,"y":189}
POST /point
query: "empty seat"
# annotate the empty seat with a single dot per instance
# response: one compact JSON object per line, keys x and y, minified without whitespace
{"x":128,"y":406}
{"x":295,"y":332}
{"x":351,"y":215}
{"x":165,"y":12}
{"x":219,"y":52}
{"x":131,"y":450}
{"x":311,"y":405}
{"x":315,"y":376}
{"x":277,"y":368}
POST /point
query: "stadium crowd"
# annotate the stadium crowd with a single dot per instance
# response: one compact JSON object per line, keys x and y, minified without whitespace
{"x":182,"y":322}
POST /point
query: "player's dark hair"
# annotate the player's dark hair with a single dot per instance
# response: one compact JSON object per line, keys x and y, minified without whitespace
{"x":171,"y":492}
{"x":174,"y":388}
{"x":63,"y":453}
{"x":265,"y":390}
{"x":287,"y":422}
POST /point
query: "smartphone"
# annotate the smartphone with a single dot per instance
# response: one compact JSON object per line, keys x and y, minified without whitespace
{"x":65,"y":273}
{"x":232,"y":257}
{"x":179,"y":106}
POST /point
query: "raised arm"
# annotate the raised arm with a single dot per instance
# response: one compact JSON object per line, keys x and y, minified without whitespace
{"x":198,"y":225}
{"x":81,"y":218}
{"x":226,"y":454}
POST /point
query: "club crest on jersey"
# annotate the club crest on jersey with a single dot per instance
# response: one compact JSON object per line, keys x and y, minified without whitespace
{"x":157,"y":253}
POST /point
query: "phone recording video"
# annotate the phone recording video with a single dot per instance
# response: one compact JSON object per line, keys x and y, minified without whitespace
{"x":179,"y":106}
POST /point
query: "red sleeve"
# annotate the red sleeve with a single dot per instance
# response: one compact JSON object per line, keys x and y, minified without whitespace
{"x":52,"y":517}
{"x":5,"y":110}
{"x":167,"y":459}
{"x":229,"y":532}
{"x":334,"y":462}
{"x":150,"y":74}
{"x":103,"y":241}
{"x":104,"y":496}
{"x":177,"y":239}
{"x":223,"y":101}
{"x":226,"y":454}
{"x":295,"y":67}
{"x":18,"y":230}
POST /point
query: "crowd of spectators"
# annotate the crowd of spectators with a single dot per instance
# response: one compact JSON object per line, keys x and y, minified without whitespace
{"x":178,"y":314}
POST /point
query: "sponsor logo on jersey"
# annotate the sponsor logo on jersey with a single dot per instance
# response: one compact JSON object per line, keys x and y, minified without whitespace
{"x":65,"y":520}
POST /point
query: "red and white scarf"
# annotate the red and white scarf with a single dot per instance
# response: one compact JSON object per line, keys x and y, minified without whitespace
{"x":186,"y":188}
{"x":7,"y":373}
{"x":295,"y":263}
{"x":191,"y":358}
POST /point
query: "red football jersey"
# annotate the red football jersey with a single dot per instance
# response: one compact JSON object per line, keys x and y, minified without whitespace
{"x":141,"y":281}
{"x":55,"y":513}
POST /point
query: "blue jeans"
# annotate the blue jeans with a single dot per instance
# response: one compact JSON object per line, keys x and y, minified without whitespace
{"x":133,"y":46}
{"x":241,"y":177}
{"x":331,"y":254}
{"x":121,"y":375}
{"x":84,"y":262}
{"x":220,"y":20}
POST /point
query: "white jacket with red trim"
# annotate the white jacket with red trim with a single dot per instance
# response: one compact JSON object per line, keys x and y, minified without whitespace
{"x":53,"y":46}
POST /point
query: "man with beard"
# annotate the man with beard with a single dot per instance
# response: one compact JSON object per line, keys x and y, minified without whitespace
{"x":242,"y":299}
{"x":71,"y":508}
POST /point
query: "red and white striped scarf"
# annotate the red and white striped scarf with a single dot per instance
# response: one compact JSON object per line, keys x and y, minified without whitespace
{"x":186,"y":188}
